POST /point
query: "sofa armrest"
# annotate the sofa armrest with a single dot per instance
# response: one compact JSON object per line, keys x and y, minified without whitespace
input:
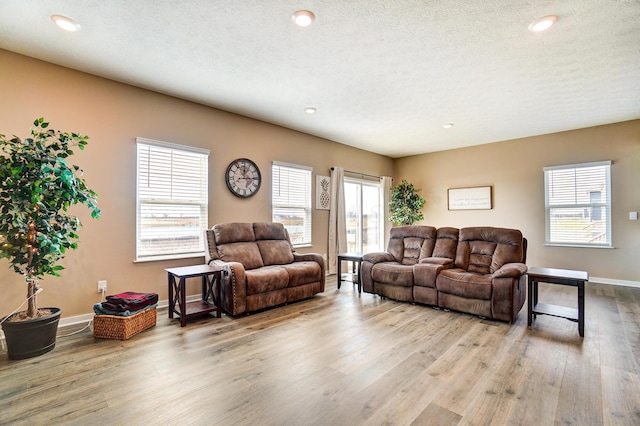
{"x":437,"y":260}
{"x":312,"y":257}
{"x":511,"y":270}
{"x":378,"y":257}
{"x":426,"y":273}
{"x":308,"y":257}
{"x":234,"y":289}
{"x":509,"y":291}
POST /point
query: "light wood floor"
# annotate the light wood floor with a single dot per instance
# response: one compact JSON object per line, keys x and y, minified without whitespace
{"x":344,"y":359}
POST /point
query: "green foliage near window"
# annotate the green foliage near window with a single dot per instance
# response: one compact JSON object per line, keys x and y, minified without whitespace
{"x":405,"y":204}
{"x":37,"y":187}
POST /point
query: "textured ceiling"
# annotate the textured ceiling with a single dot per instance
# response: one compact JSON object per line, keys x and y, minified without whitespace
{"x":384,"y":75}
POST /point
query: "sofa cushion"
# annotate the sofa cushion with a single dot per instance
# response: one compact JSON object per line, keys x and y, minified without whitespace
{"x":233,"y":233}
{"x":464,"y":284}
{"x":412,"y":249}
{"x":409,"y":244}
{"x":266,"y":279}
{"x":481,"y":256}
{"x":270,"y":231}
{"x":304,"y":272}
{"x":275,"y":252}
{"x":393,"y":273}
{"x":485,"y":249}
{"x":446,"y":243}
{"x":246,"y":253}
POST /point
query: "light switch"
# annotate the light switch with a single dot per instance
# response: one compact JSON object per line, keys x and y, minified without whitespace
{"x":633,"y":215}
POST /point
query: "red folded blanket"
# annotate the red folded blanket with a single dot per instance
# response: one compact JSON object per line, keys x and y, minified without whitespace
{"x":133,"y":298}
{"x":129,"y":301}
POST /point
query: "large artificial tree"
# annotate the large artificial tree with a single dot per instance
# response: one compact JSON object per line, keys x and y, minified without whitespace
{"x":405,"y":204}
{"x":37,"y":188}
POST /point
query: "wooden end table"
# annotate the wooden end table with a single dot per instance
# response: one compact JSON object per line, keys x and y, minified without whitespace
{"x":356,"y":259}
{"x":562,"y":277}
{"x":211,"y":283}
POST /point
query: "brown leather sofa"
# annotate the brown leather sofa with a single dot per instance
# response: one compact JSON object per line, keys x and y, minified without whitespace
{"x":477,"y":270}
{"x":264,"y":271}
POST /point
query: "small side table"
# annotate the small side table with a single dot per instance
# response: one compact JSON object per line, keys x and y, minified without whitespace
{"x":211,"y":283}
{"x":356,"y":259}
{"x":562,"y":277}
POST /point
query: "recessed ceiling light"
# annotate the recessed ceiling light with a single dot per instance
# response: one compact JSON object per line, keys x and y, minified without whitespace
{"x":303,"y":18}
{"x":66,"y":23}
{"x":447,"y":125}
{"x":542,"y":23}
{"x":310,"y":110}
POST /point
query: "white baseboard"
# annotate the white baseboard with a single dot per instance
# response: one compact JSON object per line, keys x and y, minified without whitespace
{"x":610,"y":281}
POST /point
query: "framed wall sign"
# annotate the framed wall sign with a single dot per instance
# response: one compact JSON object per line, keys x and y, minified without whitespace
{"x":478,"y":198}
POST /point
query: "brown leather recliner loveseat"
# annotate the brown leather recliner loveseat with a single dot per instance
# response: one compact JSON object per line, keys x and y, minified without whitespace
{"x":264,"y":271}
{"x":477,"y":270}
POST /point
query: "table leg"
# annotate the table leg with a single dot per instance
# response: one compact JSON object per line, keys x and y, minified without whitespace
{"x":581,"y":308}
{"x":217,"y":278}
{"x":205,"y":292}
{"x":207,"y":288}
{"x":211,"y":290}
{"x":171,"y":301}
{"x":183,"y":302}
{"x":339,"y":272}
{"x":530,"y":301}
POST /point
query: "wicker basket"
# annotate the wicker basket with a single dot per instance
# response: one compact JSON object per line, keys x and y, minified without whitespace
{"x":116,"y":327}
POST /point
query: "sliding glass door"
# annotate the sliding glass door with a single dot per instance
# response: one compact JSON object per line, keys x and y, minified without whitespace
{"x":363,"y":205}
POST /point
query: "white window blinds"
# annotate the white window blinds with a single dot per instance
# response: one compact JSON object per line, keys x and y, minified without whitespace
{"x":578,"y":204}
{"x":172,"y":188}
{"x":291,"y":200}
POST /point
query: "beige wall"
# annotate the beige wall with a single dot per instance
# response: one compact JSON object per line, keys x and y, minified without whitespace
{"x":113,"y":115}
{"x":514,"y":170}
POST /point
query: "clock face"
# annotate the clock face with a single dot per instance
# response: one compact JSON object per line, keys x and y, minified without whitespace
{"x":243,"y":178}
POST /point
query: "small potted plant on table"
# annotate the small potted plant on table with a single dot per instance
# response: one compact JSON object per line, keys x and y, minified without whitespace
{"x":37,"y":187}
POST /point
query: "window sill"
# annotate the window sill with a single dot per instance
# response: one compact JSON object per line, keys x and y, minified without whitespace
{"x":297,"y":246}
{"x":168,"y":257}
{"x":578,"y":246}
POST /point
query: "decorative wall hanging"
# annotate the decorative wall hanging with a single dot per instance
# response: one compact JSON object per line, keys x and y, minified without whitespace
{"x":478,"y":198}
{"x":323,"y":186}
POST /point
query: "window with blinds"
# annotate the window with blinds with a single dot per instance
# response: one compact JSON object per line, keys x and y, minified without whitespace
{"x":291,"y":200}
{"x":578,"y":204}
{"x":172,"y":205}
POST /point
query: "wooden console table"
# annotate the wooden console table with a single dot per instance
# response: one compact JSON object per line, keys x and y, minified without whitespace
{"x":562,"y":277}
{"x":211,"y":283}
{"x":356,"y":259}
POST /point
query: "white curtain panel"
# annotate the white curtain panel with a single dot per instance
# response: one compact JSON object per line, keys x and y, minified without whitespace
{"x":386,"y":182}
{"x":337,"y":219}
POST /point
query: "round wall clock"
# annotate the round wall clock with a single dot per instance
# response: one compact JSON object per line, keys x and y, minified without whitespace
{"x":243,"y":178}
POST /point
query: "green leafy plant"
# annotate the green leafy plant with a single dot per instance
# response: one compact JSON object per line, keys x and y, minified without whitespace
{"x":405,"y":204}
{"x":37,"y":188}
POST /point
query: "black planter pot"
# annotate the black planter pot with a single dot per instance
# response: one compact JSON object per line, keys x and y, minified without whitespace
{"x":30,"y":338}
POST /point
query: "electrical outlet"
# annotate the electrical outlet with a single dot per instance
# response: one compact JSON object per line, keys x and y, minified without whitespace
{"x":102,"y":286}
